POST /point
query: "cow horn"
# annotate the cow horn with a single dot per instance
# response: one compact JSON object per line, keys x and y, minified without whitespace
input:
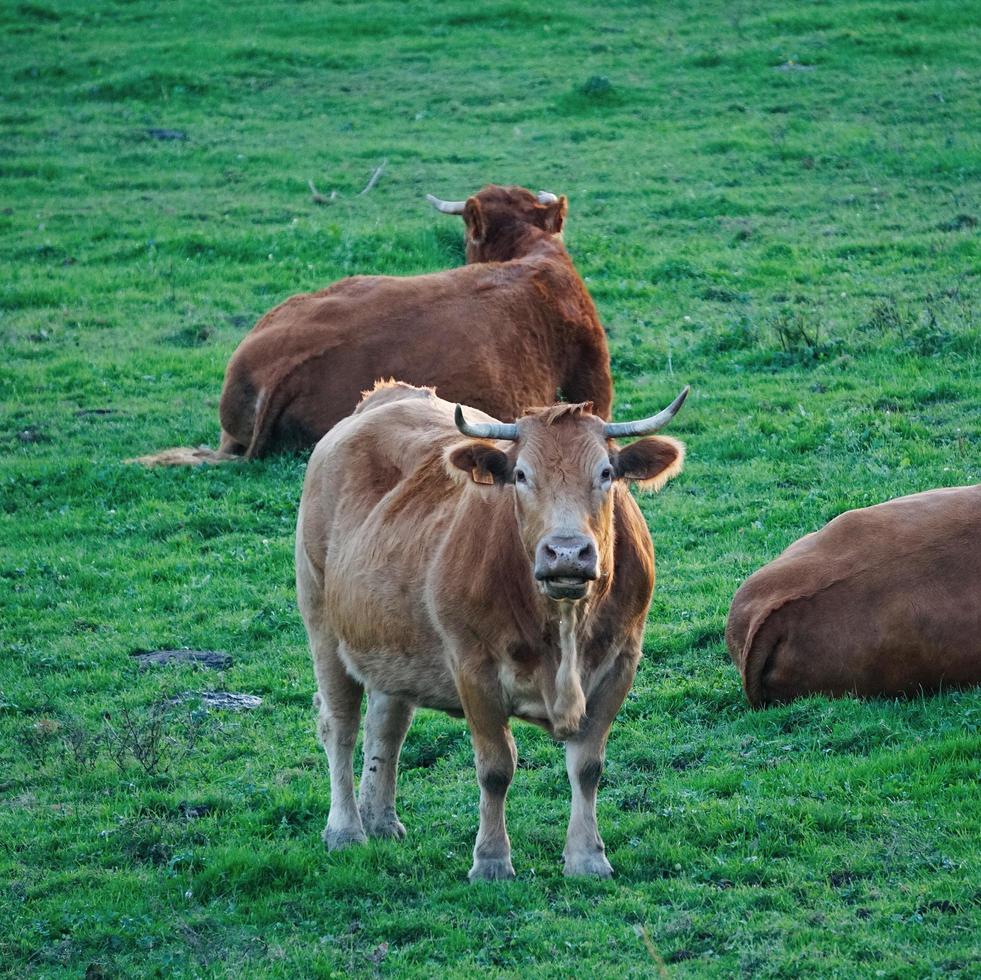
{"x":486,"y":430}
{"x":646,"y":427}
{"x":546,"y":197}
{"x":447,"y":207}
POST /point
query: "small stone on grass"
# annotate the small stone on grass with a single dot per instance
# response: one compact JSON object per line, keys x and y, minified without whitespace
{"x":157,"y":133}
{"x":214,"y":659}
{"x":220,"y":700}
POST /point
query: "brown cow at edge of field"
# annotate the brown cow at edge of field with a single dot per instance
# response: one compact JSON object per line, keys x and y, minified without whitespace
{"x":882,"y":601}
{"x":505,"y":574}
{"x":512,"y":328}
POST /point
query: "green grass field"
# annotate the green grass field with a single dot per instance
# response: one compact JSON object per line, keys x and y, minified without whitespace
{"x":775,"y":202}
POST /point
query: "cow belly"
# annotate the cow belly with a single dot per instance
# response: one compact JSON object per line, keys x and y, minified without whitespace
{"x":420,"y":678}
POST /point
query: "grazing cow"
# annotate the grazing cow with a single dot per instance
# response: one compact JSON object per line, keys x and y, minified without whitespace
{"x":506,"y":574}
{"x":512,"y":328}
{"x":885,"y":600}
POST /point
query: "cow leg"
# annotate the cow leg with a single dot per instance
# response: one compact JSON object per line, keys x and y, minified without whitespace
{"x":385,"y":724}
{"x":229,"y":444}
{"x":496,"y":758}
{"x":585,"y":753}
{"x":339,"y":700}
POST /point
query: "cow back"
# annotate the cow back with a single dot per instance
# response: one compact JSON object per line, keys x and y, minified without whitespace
{"x":497,"y":336}
{"x":881,"y":601}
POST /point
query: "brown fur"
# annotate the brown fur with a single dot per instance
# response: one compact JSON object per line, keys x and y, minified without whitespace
{"x":881,"y":601}
{"x":509,"y":329}
{"x":426,"y":593}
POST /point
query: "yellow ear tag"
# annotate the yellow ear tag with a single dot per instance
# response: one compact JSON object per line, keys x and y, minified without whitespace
{"x":481,"y":476}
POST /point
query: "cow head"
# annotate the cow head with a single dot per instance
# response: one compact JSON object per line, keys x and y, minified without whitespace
{"x":561,"y":468}
{"x":504,"y":222}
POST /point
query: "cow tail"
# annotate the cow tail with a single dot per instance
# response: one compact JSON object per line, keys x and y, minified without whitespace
{"x":186,"y":456}
{"x":271,"y":405}
{"x":754,"y":658}
{"x":763,"y":638}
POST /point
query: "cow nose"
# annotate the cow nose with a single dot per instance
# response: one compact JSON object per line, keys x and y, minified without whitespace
{"x":566,"y":556}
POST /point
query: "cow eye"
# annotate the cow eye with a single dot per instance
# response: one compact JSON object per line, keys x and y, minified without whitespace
{"x":607,"y":474}
{"x":519,"y":476}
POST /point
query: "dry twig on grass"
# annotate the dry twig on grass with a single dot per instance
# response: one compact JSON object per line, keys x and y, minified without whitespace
{"x":319,"y":198}
{"x":374,"y":177}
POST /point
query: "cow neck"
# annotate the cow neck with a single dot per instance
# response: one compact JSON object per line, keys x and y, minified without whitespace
{"x":544,"y":246}
{"x":526,"y":242}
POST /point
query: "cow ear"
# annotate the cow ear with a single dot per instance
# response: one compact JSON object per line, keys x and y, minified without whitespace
{"x":555,"y":215}
{"x":474,"y":219}
{"x":482,"y":462}
{"x":650,"y":463}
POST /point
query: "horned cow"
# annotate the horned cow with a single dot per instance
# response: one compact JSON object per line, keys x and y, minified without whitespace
{"x":511,"y":328}
{"x":448,"y":560}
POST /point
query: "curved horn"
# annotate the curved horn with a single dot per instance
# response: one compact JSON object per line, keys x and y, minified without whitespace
{"x":487,"y":430}
{"x":447,"y":207}
{"x":646,"y":427}
{"x":546,"y":197}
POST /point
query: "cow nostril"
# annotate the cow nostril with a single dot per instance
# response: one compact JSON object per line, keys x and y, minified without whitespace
{"x":585,"y":552}
{"x":550,"y":553}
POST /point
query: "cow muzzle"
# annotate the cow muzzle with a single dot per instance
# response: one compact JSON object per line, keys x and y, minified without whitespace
{"x":565,"y":564}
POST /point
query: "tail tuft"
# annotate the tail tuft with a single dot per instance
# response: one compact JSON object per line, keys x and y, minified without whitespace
{"x":185,"y":456}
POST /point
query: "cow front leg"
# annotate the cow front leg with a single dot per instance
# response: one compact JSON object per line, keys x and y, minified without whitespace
{"x":385,"y":724}
{"x":496,"y":758}
{"x":585,"y":754}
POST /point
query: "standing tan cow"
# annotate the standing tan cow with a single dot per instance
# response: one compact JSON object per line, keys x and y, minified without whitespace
{"x":486,"y":569}
{"x":512,"y":328}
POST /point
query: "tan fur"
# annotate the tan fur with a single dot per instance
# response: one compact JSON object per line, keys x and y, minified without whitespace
{"x":185,"y":457}
{"x":422,"y":581}
{"x":507,"y":330}
{"x":567,"y":708}
{"x":550,"y":414}
{"x":669,"y":473}
{"x":881,"y":601}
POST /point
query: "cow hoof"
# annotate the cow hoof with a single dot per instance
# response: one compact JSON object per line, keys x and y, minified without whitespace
{"x":337,"y":840}
{"x":588,"y":866}
{"x":491,"y":869}
{"x":392,"y":829}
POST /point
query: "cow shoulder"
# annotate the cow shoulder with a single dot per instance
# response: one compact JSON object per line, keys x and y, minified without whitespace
{"x":558,"y":285}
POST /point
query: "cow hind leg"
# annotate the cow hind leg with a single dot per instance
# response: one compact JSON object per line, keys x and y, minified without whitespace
{"x":339,"y":697}
{"x":386,"y":722}
{"x":230,"y":445}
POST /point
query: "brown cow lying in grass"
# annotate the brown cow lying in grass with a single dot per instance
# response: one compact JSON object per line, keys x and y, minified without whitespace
{"x":885,"y":600}
{"x":510,"y":329}
{"x":483,"y":569}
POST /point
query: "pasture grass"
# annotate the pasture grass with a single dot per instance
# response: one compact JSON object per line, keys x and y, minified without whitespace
{"x":777,"y":203}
